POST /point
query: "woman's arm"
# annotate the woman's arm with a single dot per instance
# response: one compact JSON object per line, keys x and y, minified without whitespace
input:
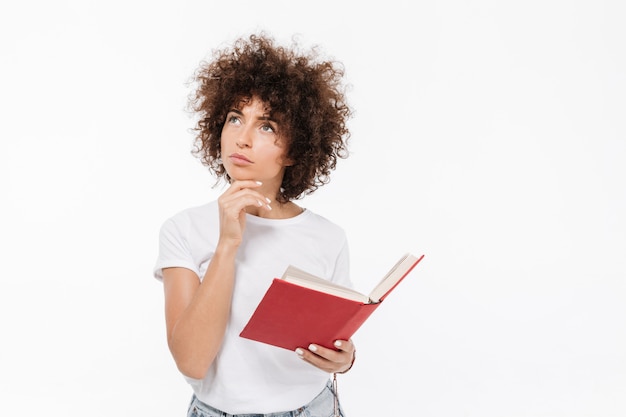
{"x":197,"y":312}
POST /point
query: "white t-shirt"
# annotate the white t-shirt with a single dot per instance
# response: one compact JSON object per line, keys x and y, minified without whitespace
{"x":249,"y":376}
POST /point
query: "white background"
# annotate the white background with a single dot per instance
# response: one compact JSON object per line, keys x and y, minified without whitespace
{"x":488,"y":135}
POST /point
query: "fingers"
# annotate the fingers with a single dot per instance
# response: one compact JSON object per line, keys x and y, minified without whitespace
{"x":232,"y":206}
{"x":345,"y":345}
{"x":329,"y":360}
{"x":242,"y":194}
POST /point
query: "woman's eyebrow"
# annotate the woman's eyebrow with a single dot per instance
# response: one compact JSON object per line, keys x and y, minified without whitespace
{"x":264,"y":117}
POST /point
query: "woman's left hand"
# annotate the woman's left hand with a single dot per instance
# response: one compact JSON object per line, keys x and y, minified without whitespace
{"x":330,"y":360}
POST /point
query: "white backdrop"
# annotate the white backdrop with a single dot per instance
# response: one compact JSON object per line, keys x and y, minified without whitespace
{"x":488,"y":135}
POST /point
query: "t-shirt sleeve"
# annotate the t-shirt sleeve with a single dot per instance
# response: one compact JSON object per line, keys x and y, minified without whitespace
{"x":174,"y":248}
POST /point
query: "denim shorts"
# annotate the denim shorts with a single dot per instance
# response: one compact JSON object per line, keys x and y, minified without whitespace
{"x":321,"y":406}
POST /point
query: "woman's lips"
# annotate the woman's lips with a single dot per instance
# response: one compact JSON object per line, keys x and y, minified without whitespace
{"x":240,"y":159}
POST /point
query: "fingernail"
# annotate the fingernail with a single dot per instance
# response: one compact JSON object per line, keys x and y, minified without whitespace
{"x":299,"y":352}
{"x":313,"y":348}
{"x":268,"y":200}
{"x":259,"y":182}
{"x":337,"y":343}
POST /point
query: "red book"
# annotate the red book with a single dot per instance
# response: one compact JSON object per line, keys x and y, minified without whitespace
{"x":299,"y":308}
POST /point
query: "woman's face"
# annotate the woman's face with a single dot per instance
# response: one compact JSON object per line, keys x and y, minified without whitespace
{"x":251,"y":146}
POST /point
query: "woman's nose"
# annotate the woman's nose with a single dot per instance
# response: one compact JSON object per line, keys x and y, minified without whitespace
{"x":244,"y":140}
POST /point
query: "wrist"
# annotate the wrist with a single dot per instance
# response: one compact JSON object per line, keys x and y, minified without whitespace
{"x":351,"y":364}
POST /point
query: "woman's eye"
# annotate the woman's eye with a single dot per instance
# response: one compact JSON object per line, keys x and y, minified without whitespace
{"x":232,"y":119}
{"x":267,"y":128}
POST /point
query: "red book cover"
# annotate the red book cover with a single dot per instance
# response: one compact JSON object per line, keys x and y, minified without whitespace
{"x":292,"y":316}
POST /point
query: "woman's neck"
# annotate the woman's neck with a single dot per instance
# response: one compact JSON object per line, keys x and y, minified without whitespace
{"x":278,"y":211}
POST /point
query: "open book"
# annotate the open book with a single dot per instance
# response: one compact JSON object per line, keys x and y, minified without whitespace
{"x":300,"y":308}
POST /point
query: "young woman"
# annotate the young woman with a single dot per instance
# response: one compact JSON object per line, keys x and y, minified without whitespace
{"x":272,"y":123}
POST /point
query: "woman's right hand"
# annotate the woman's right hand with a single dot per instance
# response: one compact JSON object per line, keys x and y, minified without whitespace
{"x":232,"y":208}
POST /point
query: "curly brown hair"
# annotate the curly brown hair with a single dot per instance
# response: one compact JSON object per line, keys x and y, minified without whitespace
{"x":304,"y":94}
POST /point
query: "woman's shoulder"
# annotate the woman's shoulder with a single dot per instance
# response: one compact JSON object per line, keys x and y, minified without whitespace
{"x":193,"y":216}
{"x":323,"y":223}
